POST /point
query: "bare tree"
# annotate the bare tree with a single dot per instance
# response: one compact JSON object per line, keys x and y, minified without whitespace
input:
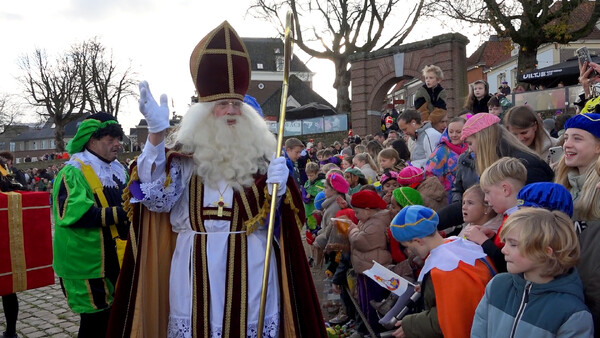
{"x":54,"y":86}
{"x":530,"y":24}
{"x":105,"y":85}
{"x":9,"y":111}
{"x":334,"y":30}
{"x":81,"y":79}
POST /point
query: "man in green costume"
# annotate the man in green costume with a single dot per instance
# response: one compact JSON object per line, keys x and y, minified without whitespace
{"x":90,"y":223}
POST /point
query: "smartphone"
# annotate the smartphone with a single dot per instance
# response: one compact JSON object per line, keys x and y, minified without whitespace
{"x":556,"y":154}
{"x":583,"y":55}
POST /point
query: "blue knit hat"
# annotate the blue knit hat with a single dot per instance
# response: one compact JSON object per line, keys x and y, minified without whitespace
{"x":551,"y":196}
{"x":589,"y":122}
{"x":414,"y":221}
{"x":319,"y":199}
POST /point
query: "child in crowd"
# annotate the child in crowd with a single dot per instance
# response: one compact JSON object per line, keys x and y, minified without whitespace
{"x":355,"y":178}
{"x":312,"y":187}
{"x":360,"y":148}
{"x":500,"y":183}
{"x":402,"y":197}
{"x":316,"y":217}
{"x":320,"y":154}
{"x":368,"y":243}
{"x":443,"y":162}
{"x":329,"y":157}
{"x":477,"y":213}
{"x":340,"y":280}
{"x":452,"y":280}
{"x":389,"y":182}
{"x":431,"y":189}
{"x":365,"y":163}
{"x":542,"y":296}
{"x":478,"y":98}
{"x":325,"y":168}
{"x":431,"y":95}
{"x":494,"y":107}
{"x":335,"y":186}
{"x":346,"y":162}
{"x":389,"y":159}
{"x":528,"y":127}
{"x":293,"y":151}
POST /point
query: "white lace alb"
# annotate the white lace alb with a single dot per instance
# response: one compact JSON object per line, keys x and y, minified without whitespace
{"x":159,"y":198}
{"x":181,"y":328}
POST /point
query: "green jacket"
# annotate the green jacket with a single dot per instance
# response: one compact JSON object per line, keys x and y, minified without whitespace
{"x":83,"y":245}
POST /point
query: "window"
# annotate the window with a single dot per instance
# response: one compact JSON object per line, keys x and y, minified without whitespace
{"x":279,"y":63}
{"x":259,"y":66}
{"x":12,"y":146}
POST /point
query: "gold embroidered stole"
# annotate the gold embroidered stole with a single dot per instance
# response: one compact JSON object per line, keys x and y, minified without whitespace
{"x":247,"y":208}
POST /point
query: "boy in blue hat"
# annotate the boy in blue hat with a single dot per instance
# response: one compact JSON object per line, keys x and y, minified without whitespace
{"x":452,"y":279}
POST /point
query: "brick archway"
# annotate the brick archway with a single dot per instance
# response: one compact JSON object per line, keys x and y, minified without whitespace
{"x":373,"y":74}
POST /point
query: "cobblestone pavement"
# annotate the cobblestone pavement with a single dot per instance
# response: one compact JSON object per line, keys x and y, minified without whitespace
{"x":44,"y":312}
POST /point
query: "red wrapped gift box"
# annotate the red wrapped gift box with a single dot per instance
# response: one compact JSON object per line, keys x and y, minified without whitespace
{"x":25,"y":241}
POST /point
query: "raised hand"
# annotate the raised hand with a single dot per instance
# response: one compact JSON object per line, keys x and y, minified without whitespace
{"x":156,"y":116}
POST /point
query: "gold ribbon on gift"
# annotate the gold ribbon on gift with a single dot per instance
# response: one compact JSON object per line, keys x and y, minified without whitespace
{"x":17,"y":242}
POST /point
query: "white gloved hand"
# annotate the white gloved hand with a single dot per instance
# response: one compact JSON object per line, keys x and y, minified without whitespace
{"x":156,"y":116}
{"x":277,"y":172}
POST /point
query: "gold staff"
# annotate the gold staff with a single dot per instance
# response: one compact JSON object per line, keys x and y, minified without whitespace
{"x":287,"y":53}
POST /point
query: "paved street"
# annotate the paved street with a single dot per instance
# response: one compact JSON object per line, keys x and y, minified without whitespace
{"x":44,"y":312}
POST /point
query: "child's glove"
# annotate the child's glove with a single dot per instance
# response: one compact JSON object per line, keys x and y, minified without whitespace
{"x":156,"y":116}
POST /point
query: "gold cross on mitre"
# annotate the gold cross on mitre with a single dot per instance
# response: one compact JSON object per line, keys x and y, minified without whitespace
{"x":220,"y":204}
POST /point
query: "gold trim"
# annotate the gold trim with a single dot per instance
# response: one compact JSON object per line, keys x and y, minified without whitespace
{"x":102,"y":253}
{"x":17,"y":241}
{"x":225,"y":51}
{"x":221,"y":96}
{"x":115,"y":216}
{"x":89,"y":290}
{"x":289,"y":201}
{"x":133,"y":241}
{"x":103,"y":216}
{"x":205,"y":290}
{"x":61,"y":215}
{"x":256,"y":194}
{"x":106,"y":292}
{"x":244,"y":286}
{"x":246,"y":204}
{"x":215,"y":213}
{"x":230,"y":69}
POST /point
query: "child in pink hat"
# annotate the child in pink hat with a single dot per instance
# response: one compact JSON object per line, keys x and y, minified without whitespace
{"x":431,"y":189}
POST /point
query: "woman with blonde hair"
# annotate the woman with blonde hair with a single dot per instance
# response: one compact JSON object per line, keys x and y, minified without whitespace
{"x":528,"y":127}
{"x":489,"y":141}
{"x":579,"y":171}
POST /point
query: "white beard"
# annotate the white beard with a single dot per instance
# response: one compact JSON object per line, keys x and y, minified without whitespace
{"x":223,"y":152}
